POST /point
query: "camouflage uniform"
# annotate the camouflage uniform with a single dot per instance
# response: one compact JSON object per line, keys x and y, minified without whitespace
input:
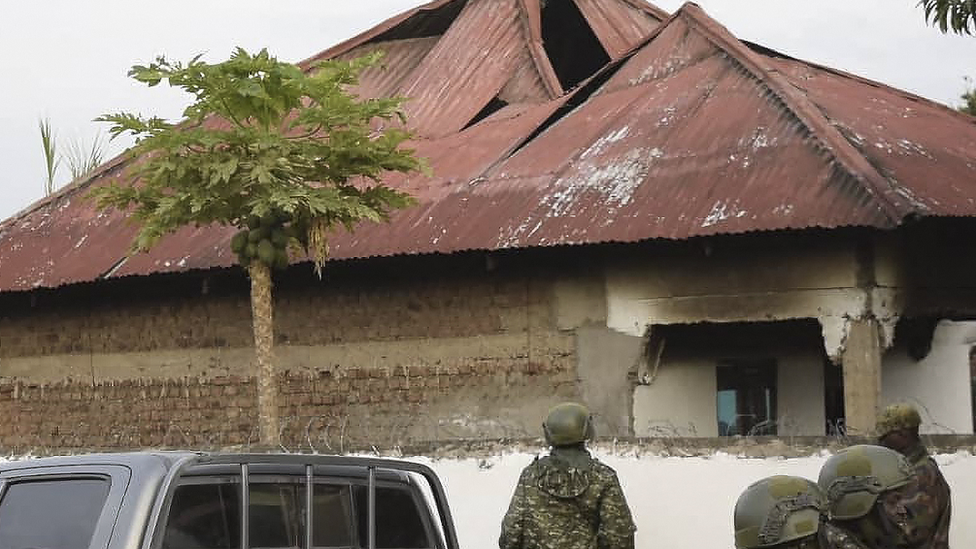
{"x":832,"y":536}
{"x":917,"y":514}
{"x":568,"y":500}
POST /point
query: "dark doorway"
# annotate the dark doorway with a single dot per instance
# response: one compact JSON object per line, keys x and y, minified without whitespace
{"x":833,"y":399}
{"x":746,"y":397}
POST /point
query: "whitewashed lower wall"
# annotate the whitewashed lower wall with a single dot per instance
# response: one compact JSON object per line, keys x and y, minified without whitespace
{"x":678,"y":502}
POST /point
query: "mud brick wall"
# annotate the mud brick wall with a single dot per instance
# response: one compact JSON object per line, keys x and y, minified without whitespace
{"x":397,"y":355}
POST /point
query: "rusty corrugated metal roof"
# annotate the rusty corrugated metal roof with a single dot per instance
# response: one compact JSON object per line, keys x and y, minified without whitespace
{"x":480,"y":53}
{"x":400,"y":58}
{"x":620,"y":25}
{"x":422,"y":21}
{"x":926,"y":151}
{"x":693,"y":133}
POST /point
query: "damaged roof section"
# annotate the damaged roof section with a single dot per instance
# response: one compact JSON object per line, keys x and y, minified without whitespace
{"x":685,"y":131}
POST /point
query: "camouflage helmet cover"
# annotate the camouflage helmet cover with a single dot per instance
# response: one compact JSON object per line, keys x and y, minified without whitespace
{"x":568,"y":423}
{"x":777,"y":510}
{"x":896,"y":417}
{"x":853,"y":479}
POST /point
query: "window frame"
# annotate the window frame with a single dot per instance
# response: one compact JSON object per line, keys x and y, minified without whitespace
{"x":420,"y":504}
{"x":434,"y":537}
{"x":739,"y":363}
{"x":117,"y":476}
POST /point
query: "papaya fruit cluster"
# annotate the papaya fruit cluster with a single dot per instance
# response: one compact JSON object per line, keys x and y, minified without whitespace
{"x":265,"y":239}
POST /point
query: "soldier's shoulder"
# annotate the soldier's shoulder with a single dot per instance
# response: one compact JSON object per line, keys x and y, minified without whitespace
{"x":929,"y":472}
{"x":532,"y":468}
{"x":602,"y":469}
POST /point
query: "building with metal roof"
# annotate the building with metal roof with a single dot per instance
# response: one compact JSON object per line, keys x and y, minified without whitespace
{"x":649,"y":180}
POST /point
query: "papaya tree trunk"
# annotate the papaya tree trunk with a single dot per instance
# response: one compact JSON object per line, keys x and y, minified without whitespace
{"x":263,"y":321}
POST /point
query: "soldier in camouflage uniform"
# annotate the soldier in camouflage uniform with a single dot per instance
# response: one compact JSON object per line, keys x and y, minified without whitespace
{"x":786,"y":512}
{"x":927,"y":497}
{"x":872,"y":492}
{"x":568,"y":499}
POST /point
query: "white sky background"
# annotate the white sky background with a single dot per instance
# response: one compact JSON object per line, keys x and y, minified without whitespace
{"x":67,"y":59}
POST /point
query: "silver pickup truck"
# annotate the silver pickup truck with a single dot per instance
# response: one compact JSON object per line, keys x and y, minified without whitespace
{"x":221,"y":501}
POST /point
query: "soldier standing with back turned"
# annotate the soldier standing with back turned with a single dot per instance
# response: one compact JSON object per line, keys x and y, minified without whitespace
{"x":568,"y":499}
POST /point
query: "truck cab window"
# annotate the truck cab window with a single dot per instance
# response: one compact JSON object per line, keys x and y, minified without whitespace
{"x":28,"y":508}
{"x":398,"y":522}
{"x":207,"y":516}
{"x":204,"y":516}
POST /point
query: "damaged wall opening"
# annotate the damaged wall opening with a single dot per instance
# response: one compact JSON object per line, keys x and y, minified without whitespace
{"x":573,"y":49}
{"x":737,"y":379}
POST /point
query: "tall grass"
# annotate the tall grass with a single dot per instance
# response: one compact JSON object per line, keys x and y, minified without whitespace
{"x":52,"y":159}
{"x":81,"y":158}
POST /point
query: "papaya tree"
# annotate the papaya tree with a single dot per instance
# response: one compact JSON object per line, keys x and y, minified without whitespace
{"x":284,"y":155}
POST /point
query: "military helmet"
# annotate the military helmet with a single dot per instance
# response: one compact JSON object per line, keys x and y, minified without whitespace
{"x":898,"y":416}
{"x":568,"y":423}
{"x":777,"y":510}
{"x":853,"y":478}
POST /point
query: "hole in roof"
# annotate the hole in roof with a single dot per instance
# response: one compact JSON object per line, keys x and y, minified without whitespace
{"x":424,"y":23}
{"x":491,"y":108}
{"x":575,"y":100}
{"x":768,"y":52}
{"x":573,"y":49}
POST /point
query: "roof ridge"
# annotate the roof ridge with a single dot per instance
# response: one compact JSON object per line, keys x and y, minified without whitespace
{"x":863,"y":80}
{"x":370,"y":33}
{"x":69,"y":188}
{"x":807,"y":113}
{"x":651,"y":9}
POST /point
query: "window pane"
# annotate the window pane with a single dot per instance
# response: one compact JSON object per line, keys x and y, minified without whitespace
{"x":725,"y":403}
{"x":746,"y":397}
{"x":204,"y":516}
{"x":28,"y":508}
{"x":398,"y":521}
{"x":276,"y":515}
{"x":332,"y":516}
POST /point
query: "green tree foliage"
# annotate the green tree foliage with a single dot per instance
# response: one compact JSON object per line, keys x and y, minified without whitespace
{"x":282,"y":154}
{"x":956,"y":15}
{"x":969,"y":100}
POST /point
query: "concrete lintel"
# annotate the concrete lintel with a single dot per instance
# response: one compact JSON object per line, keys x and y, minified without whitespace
{"x":631,"y":316}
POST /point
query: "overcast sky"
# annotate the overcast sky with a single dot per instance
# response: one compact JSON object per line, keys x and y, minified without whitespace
{"x":67,"y":59}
